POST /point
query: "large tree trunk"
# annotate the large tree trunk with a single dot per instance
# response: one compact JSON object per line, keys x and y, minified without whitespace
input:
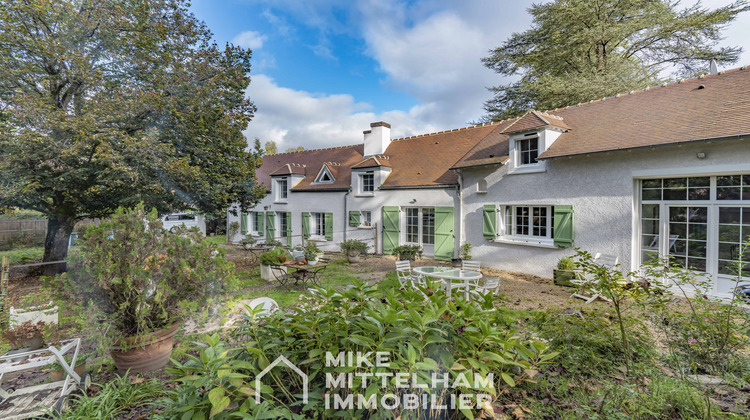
{"x":56,"y":243}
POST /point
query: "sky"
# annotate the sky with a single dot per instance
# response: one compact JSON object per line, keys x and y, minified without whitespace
{"x":323,"y":70}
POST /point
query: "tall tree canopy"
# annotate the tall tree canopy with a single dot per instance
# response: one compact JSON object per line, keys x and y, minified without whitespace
{"x":107,"y":103}
{"x":579,"y":50}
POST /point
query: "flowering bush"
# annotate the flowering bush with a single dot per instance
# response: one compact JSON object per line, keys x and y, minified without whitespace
{"x":140,"y":275}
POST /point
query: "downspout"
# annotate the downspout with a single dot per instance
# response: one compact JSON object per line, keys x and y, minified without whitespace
{"x":346,"y":214}
{"x":460,"y":186}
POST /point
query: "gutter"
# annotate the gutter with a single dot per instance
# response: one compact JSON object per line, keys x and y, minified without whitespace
{"x":459,"y":187}
{"x":651,"y":146}
{"x":419,"y":187}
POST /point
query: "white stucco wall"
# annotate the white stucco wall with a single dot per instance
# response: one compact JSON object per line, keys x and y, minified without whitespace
{"x":600,"y":187}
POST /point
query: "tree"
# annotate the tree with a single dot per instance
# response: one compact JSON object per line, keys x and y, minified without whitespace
{"x":295,"y":149}
{"x":110,"y":103}
{"x":270,"y":148}
{"x":579,"y":50}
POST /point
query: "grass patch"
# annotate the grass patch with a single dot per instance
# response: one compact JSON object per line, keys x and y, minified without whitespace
{"x":217,"y":240}
{"x":120,"y":396}
{"x":25,"y":255}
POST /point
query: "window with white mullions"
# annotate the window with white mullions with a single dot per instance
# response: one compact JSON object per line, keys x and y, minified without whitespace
{"x":257,"y":217}
{"x":365,"y":219}
{"x":368,"y":183}
{"x":412,"y":225}
{"x":428,"y":226}
{"x":529,"y":221}
{"x":733,"y":187}
{"x":282,"y":224}
{"x":688,"y":227}
{"x":319,"y":224}
{"x":734,"y":230}
{"x":528,"y":150}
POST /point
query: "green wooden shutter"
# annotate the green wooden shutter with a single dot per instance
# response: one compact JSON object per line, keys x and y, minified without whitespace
{"x":270,"y":229}
{"x":329,"y":226}
{"x":391,"y":227}
{"x":305,"y":225}
{"x":563,"y":227}
{"x":260,"y":228}
{"x":243,"y":223}
{"x":353,"y":218}
{"x":489,"y":221}
{"x":444,"y":239}
{"x":289,"y":229}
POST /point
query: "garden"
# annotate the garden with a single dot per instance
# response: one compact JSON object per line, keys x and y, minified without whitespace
{"x":170,"y":328}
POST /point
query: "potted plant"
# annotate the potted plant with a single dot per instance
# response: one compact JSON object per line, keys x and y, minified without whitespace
{"x":248,"y":241}
{"x":465,"y":255}
{"x":142,"y":280}
{"x":408,"y":252}
{"x":312,"y":252}
{"x":27,"y":335}
{"x":354,"y":249}
{"x":57,"y":373}
{"x":275,"y":256}
{"x":234,"y":227}
{"x":565,"y":272}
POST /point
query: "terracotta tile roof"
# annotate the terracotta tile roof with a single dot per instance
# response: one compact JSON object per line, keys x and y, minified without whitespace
{"x":290,"y":169}
{"x":425,"y":160}
{"x":535,"y":119}
{"x":373,"y":162}
{"x":313,"y":160}
{"x":707,"y":107}
{"x":493,"y":149}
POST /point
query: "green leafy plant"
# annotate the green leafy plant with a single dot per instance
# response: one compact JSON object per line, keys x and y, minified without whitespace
{"x":566,"y":263}
{"x":420,"y":335}
{"x":275,"y":256}
{"x":248,"y":240}
{"x":234,"y":227}
{"x":353,"y":247}
{"x":273,"y":243}
{"x":466,"y":251}
{"x":141,"y":277}
{"x":80,"y":360}
{"x":311,"y":250}
{"x":408,"y":252}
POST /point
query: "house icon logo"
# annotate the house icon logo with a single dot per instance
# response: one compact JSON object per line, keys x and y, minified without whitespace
{"x":298,"y":371}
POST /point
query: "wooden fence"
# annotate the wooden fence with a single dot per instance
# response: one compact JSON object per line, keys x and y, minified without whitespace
{"x":34,"y":229}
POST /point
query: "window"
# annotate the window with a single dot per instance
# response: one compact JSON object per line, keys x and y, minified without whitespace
{"x":282,"y":192}
{"x":282,"y":224}
{"x":482,"y":186}
{"x":528,"y":151}
{"x":257,"y":221}
{"x":367,"y":182}
{"x":529,"y":221}
{"x":412,"y":225}
{"x":319,"y":224}
{"x":699,"y":222}
{"x":365,"y":219}
{"x":428,"y":226}
{"x":324,"y":177}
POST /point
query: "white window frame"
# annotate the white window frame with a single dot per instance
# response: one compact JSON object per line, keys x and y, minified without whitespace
{"x":506,"y":232}
{"x":317,"y":220}
{"x":420,"y":226}
{"x":365,"y":219}
{"x":281,"y":193}
{"x":520,"y":155}
{"x":361,"y":190}
{"x":254,"y":221}
{"x":543,"y":138}
{"x":324,"y":172}
{"x":280,"y":233}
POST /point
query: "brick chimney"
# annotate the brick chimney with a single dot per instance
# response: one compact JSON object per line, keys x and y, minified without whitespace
{"x":377,"y":138}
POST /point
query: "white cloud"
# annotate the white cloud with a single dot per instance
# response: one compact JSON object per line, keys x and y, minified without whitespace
{"x":297,"y":118}
{"x":249,"y":39}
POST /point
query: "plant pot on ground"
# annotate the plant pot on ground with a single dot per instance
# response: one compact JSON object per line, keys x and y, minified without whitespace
{"x":408,"y":252}
{"x":143,"y":280}
{"x":25,"y":336}
{"x":565,"y":272}
{"x":57,"y":373}
{"x":312,"y":252}
{"x":275,"y":256}
{"x":456,"y":262}
{"x":354,"y":249}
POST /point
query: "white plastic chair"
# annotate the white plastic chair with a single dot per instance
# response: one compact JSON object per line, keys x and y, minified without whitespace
{"x":472,"y":265}
{"x":405,"y":275}
{"x":604,"y":260}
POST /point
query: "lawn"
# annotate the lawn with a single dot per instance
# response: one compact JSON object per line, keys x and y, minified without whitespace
{"x":590,"y":377}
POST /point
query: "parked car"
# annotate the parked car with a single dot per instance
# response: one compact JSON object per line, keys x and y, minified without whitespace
{"x":170,"y":221}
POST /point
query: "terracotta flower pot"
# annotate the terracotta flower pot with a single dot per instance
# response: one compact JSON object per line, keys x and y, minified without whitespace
{"x":144,"y":353}
{"x":57,"y":375}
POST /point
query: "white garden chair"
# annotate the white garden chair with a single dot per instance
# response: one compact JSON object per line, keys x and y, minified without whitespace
{"x":472,"y":265}
{"x":405,"y":275}
{"x":580,"y":280}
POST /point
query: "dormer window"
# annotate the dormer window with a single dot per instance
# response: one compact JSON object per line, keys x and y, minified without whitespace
{"x":282,"y":190}
{"x":528,"y":150}
{"x":324,"y":177}
{"x":368,"y":183}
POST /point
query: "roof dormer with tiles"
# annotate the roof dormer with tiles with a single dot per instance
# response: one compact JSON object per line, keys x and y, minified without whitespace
{"x":528,"y":137}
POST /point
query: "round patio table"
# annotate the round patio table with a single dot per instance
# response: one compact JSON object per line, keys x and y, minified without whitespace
{"x":447,"y":275}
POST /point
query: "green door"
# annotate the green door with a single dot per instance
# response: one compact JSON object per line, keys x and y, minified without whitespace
{"x":391,"y":228}
{"x":444,"y":240}
{"x":289,"y":230}
{"x":243,"y":223}
{"x":270,"y":225}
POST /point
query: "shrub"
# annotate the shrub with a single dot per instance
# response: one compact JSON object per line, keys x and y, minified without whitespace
{"x":566,"y":263}
{"x":141,"y":276}
{"x":234,"y":227}
{"x":408,"y":252}
{"x":275,"y":256}
{"x":353,"y":247}
{"x":466,"y":251}
{"x":248,"y":240}
{"x":420,"y":335}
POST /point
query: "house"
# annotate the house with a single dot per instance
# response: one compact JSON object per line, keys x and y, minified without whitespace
{"x":386,"y":192}
{"x":661,"y":171}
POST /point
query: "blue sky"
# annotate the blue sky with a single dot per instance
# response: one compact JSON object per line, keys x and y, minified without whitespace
{"x":323,"y":70}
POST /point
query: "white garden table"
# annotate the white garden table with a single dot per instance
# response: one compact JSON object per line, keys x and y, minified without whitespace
{"x":448,"y":275}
